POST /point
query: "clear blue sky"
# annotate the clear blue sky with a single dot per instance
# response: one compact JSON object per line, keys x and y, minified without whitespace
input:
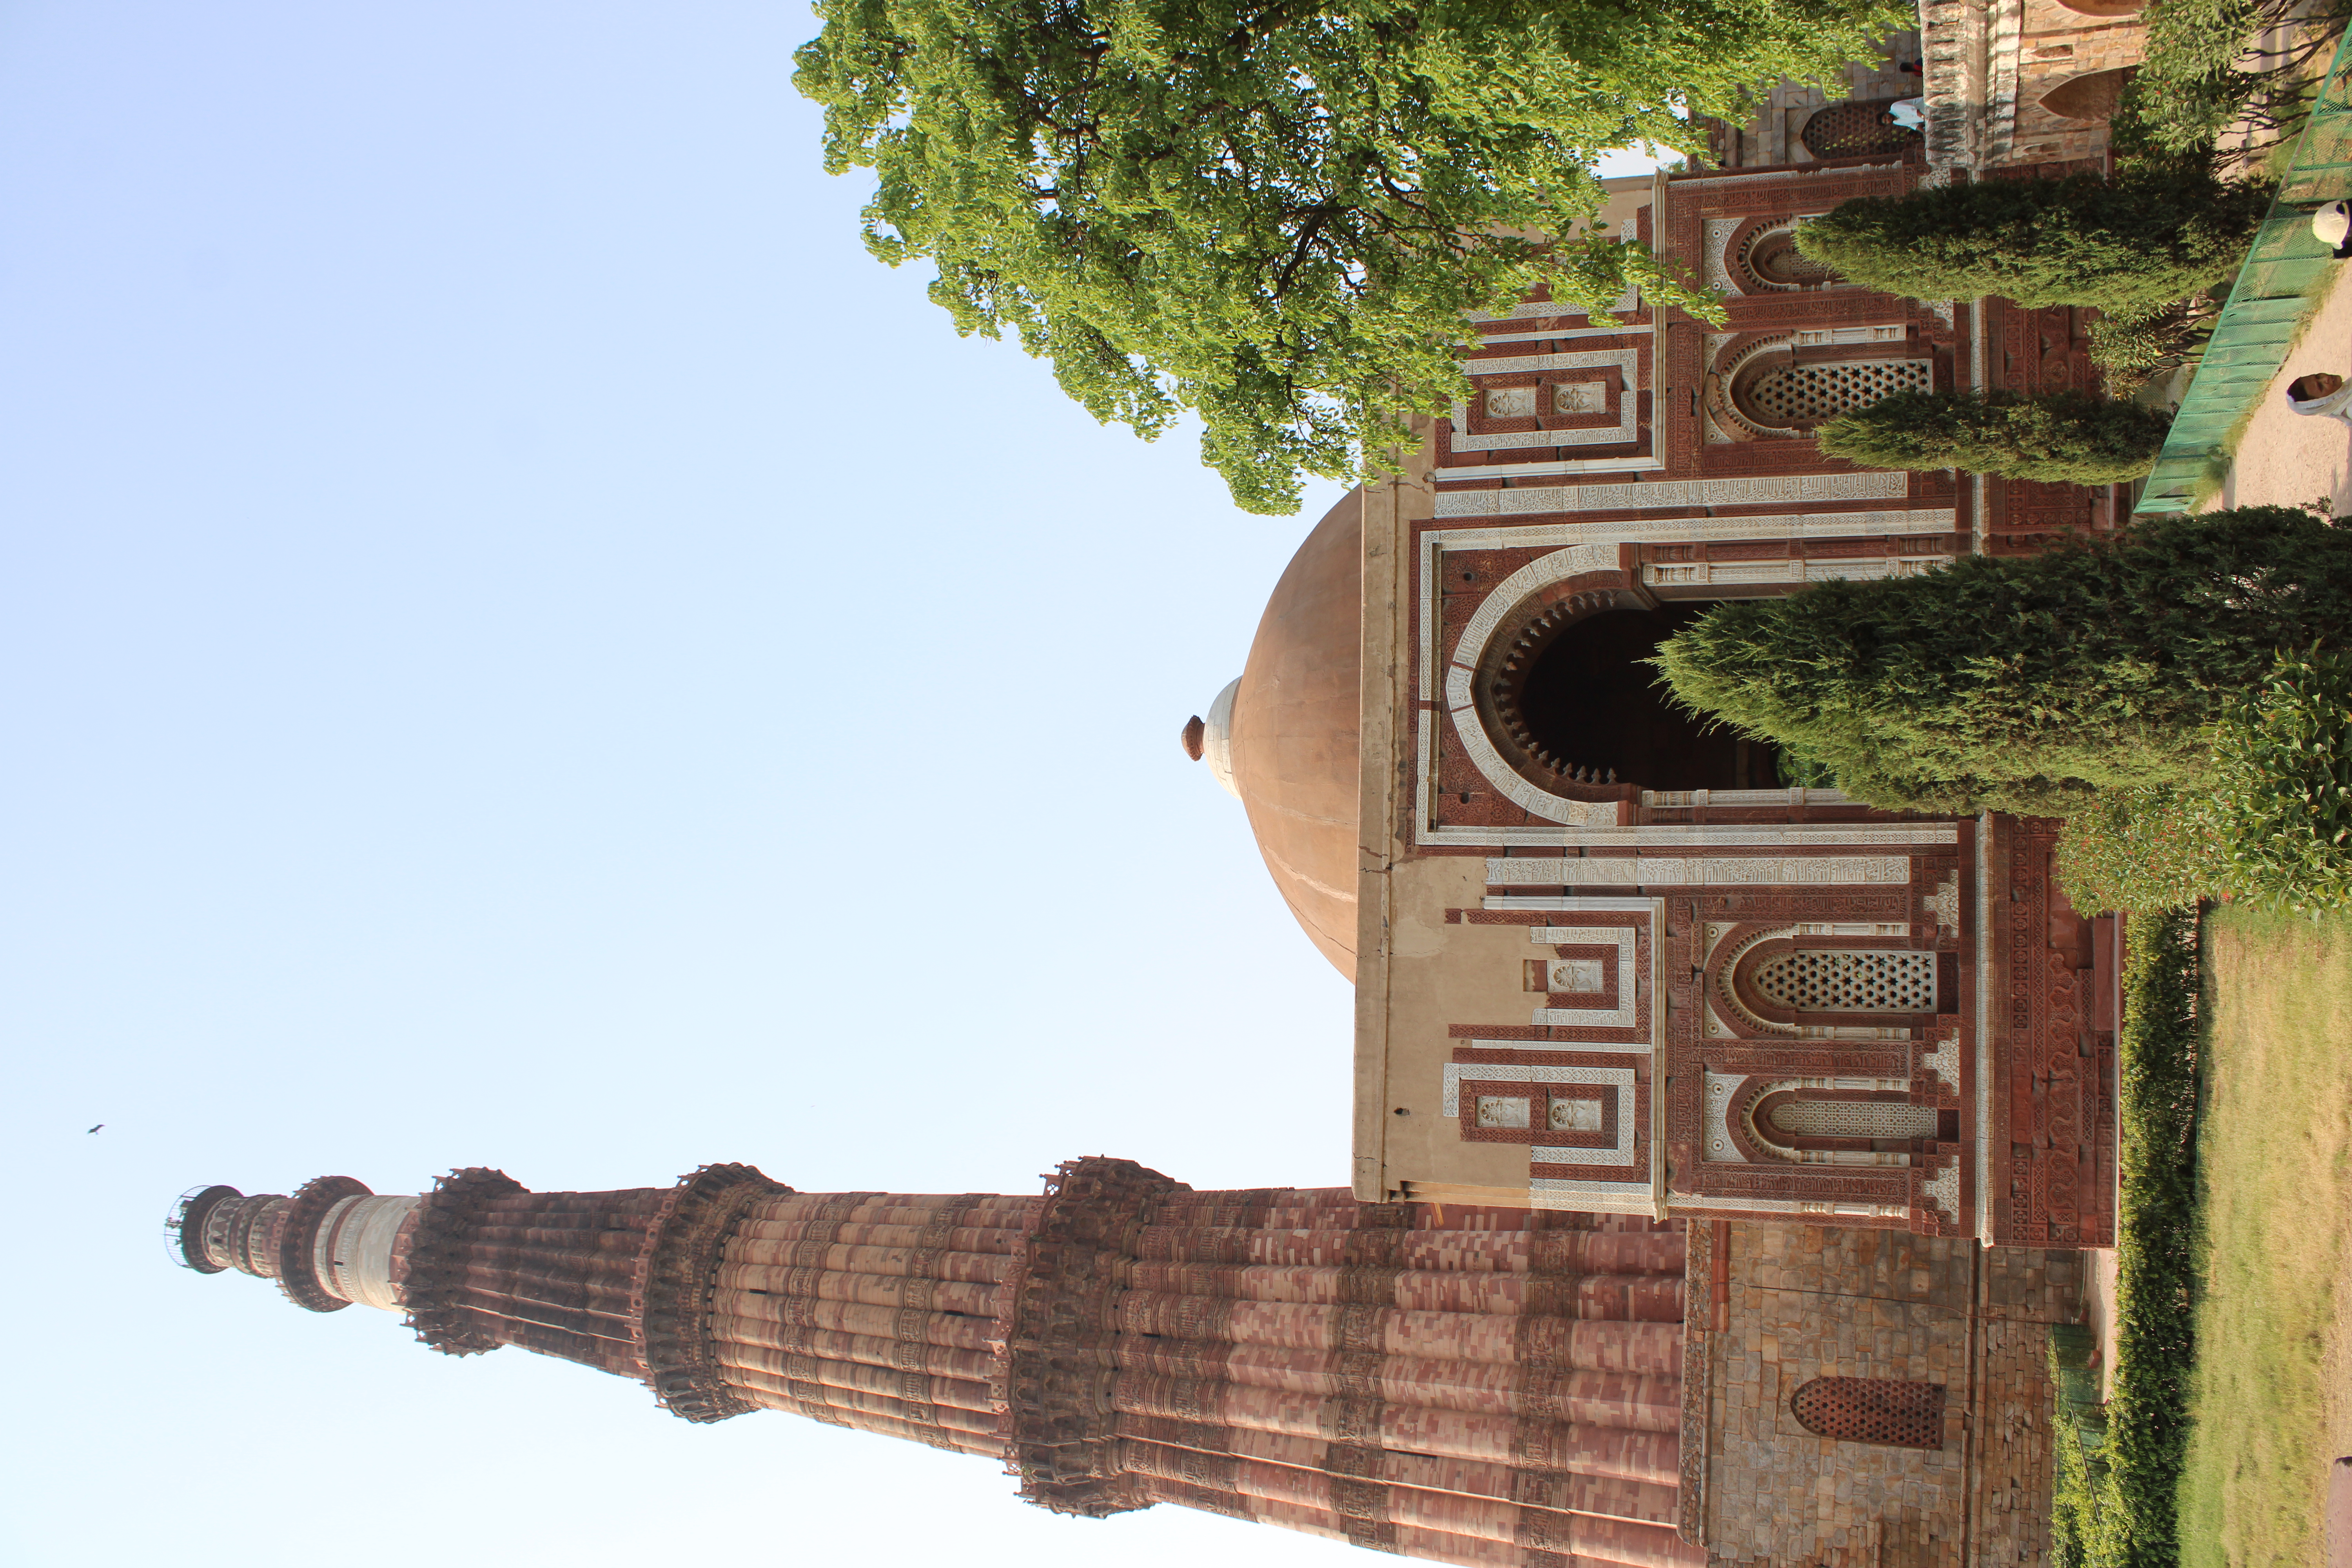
{"x":521,"y":645}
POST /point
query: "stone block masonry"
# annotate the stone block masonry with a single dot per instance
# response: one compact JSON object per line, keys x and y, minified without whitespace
{"x":1801,"y":1303}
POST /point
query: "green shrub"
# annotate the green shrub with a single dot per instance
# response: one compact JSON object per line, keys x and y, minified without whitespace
{"x":2193,"y":85}
{"x":2062,"y":437}
{"x":2025,"y":683}
{"x":2131,"y":349}
{"x":2131,"y":246}
{"x":2272,"y":826}
{"x":2115,"y":1493}
{"x":2073,"y":1500}
{"x":2143,"y":850}
{"x":2188,"y":89}
{"x":2079,"y":1434}
{"x":2283,"y":811}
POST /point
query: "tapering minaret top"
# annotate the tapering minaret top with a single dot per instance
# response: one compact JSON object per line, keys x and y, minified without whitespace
{"x":328,"y":1246}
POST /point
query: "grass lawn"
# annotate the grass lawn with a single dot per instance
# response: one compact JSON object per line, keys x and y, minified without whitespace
{"x":2270,"y":1406}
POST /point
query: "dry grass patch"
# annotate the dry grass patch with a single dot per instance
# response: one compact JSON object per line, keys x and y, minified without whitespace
{"x":2274,"y":1177}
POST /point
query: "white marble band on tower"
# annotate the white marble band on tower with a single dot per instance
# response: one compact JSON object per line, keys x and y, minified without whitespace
{"x":352,"y":1256}
{"x":328,"y":1246}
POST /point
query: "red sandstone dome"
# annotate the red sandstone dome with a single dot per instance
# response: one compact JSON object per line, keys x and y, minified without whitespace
{"x":1283,"y":736}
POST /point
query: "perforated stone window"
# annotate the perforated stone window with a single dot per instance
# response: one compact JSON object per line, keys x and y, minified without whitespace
{"x":1857,"y":131}
{"x":1872,"y":1410}
{"x":1852,"y":1119}
{"x":1810,"y":393}
{"x":1849,"y":980}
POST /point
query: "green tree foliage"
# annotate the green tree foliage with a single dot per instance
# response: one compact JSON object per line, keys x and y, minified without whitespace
{"x":1272,"y":212}
{"x":2062,"y":437}
{"x":2270,"y":823}
{"x":2241,"y":69}
{"x":2024,"y":683}
{"x":2117,"y":1506}
{"x":2283,"y":771}
{"x":2144,"y":850}
{"x":2132,"y":246}
{"x":2130,"y":350}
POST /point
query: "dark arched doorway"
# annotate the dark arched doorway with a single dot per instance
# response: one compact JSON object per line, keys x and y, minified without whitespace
{"x":1588,"y":698}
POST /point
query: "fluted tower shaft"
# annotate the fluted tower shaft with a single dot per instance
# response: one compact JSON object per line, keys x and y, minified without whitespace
{"x":1466,"y":1385}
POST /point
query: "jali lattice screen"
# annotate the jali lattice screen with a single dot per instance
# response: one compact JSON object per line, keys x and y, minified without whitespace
{"x":1810,"y":393}
{"x":1850,"y":980}
{"x":1872,"y":1410}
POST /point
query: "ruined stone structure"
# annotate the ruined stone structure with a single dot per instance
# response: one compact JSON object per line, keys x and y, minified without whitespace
{"x":2011,"y":84}
{"x":1873,"y":1397}
{"x":1799,"y":122}
{"x":1992,"y":86}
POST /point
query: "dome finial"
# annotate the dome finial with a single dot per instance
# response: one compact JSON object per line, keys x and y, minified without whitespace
{"x":1193,"y":730}
{"x":1216,"y":737}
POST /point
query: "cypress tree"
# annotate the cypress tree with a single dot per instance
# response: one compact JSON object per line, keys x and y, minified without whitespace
{"x":2024,"y":683}
{"x":2062,"y":437}
{"x":2133,"y":244}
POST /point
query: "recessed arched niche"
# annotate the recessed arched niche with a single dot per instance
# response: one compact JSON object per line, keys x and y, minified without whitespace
{"x":2091,"y":96}
{"x":1574,"y":691}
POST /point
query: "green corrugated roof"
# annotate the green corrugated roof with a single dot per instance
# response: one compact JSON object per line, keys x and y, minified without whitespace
{"x":2250,"y":339}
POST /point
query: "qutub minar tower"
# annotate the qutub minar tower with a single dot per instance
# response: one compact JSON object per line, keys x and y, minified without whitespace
{"x":1724,"y":1147}
{"x":1470,"y":1385}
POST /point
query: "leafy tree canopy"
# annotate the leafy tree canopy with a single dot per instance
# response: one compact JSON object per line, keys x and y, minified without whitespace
{"x":1278,"y":213}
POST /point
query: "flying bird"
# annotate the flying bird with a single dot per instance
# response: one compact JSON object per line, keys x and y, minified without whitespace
{"x":95,"y":1129}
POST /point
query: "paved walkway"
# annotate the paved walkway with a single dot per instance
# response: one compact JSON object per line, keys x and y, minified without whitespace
{"x":2285,"y":458}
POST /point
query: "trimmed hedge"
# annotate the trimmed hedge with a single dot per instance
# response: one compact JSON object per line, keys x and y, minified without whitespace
{"x":2131,"y":246}
{"x":2066,"y":437}
{"x":2116,"y":1495}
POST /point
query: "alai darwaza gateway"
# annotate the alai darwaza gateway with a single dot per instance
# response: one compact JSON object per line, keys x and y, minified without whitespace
{"x":1723,"y":1149}
{"x":1605,"y":959}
